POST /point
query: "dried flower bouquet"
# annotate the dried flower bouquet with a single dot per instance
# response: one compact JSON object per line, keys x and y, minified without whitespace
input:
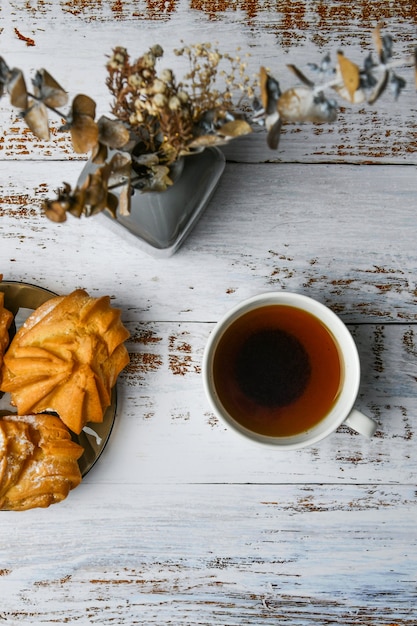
{"x":157,"y":119}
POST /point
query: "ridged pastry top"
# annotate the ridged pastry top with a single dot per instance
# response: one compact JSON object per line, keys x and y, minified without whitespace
{"x":66,"y":358}
{"x":38,"y":461}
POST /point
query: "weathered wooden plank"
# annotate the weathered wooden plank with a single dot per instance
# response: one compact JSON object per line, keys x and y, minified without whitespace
{"x":274,"y":34}
{"x":343,"y":235}
{"x":214,"y":554}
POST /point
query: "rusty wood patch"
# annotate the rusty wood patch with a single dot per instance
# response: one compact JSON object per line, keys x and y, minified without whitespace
{"x":18,"y":206}
{"x":140,"y":365}
{"x":180,"y":356}
{"x":28,"y":40}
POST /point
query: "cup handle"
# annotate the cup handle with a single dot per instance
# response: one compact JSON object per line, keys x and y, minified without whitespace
{"x":363,"y":424}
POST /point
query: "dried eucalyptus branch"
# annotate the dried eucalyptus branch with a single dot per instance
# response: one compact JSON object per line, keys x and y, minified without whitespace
{"x":158,"y":119}
{"x":309,"y":102}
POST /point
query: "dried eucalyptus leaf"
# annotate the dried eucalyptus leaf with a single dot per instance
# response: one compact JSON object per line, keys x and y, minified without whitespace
{"x":274,"y":134}
{"x":84,"y":134}
{"x":205,"y":141}
{"x":95,"y":188}
{"x":301,"y":104}
{"x":160,"y":178}
{"x":379,"y":88}
{"x":295,"y":103}
{"x":112,"y":203}
{"x":36,"y":117}
{"x":350,"y":74}
{"x":270,"y":92}
{"x":112,"y":133}
{"x":387,"y":47}
{"x":83,"y":105}
{"x":396,"y":84}
{"x":16,"y":87}
{"x":50,"y":92}
{"x":98,"y":197}
{"x":376,"y":36}
{"x":83,"y":128}
{"x":359,"y":96}
{"x":263,"y":79}
{"x":77,"y":203}
{"x":124,"y":200}
{"x":236,"y":128}
{"x":99,"y":154}
{"x":54,"y":211}
{"x":4,"y":70}
{"x":302,"y":77}
{"x":146,"y":159}
{"x":121,"y":162}
{"x":4,"y":75}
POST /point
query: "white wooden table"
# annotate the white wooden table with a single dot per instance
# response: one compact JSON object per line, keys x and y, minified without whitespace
{"x":180,"y":521}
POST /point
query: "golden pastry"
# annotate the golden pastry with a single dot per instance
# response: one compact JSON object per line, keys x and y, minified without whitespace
{"x":6,"y":318}
{"x":66,"y":359}
{"x":38,"y":461}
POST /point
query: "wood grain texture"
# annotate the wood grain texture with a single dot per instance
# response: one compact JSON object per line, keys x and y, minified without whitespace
{"x":343,"y":235}
{"x":216,"y":554}
{"x":181,"y":522}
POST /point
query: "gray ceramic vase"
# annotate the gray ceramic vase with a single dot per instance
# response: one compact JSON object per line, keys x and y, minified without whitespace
{"x":159,"y":222}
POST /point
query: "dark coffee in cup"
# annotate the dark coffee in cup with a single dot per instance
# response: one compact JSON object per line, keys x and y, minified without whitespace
{"x":277,"y":370}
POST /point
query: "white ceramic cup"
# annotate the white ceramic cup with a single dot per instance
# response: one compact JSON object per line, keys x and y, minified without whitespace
{"x":342,"y":411}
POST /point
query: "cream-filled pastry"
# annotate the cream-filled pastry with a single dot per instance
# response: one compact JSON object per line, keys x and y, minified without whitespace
{"x":38,"y":461}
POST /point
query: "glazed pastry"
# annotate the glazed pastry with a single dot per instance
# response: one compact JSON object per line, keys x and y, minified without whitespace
{"x":66,"y":359}
{"x":38,"y":461}
{"x":6,"y":318}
